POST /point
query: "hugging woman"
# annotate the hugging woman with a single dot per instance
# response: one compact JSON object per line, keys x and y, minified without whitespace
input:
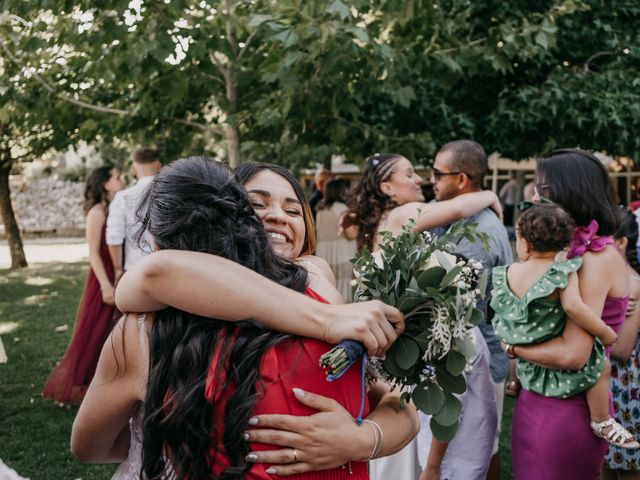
{"x":202,"y":376}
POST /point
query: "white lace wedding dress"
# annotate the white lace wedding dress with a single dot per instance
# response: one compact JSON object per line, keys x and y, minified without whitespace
{"x":130,"y":468}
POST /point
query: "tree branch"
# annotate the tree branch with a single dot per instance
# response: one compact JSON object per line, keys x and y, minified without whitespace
{"x":204,"y":127}
{"x":246,"y":44}
{"x":454,"y":49}
{"x":231,"y":36}
{"x":596,"y":55}
{"x":62,"y":96}
{"x":216,"y":62}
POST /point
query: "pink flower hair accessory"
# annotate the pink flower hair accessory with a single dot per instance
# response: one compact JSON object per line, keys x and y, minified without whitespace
{"x":584,"y":240}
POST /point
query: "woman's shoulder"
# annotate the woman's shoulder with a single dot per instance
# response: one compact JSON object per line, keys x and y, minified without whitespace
{"x":97,"y":209}
{"x":97,"y":214}
{"x":607,"y":267}
{"x":400,"y":215}
{"x":609,"y":258}
{"x":130,"y":336}
{"x":321,"y":278}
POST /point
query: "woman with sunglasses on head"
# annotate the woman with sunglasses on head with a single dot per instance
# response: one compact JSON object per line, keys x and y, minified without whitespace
{"x":309,"y":440}
{"x":551,"y":437}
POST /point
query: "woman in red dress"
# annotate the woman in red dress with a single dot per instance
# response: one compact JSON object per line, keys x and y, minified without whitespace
{"x":207,"y":379}
{"x":70,"y":378}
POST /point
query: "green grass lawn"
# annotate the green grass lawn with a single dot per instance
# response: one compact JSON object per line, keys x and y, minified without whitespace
{"x":34,"y":433}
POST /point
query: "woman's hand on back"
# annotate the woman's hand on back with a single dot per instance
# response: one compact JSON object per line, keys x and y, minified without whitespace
{"x":373,"y":323}
{"x":327,"y":439}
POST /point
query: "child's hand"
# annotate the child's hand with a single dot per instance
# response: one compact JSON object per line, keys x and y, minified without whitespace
{"x":609,"y":337}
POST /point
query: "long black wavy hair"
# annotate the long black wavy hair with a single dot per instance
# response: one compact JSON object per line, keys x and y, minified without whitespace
{"x":196,"y":204}
{"x":368,"y":202}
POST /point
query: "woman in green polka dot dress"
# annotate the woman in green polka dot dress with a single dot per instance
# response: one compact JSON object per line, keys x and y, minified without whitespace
{"x":532,"y":299}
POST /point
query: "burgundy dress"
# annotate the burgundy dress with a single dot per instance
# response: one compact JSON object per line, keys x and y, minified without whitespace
{"x":70,"y":378}
{"x":551,"y":438}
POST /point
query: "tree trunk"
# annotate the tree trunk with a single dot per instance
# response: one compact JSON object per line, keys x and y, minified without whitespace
{"x":232,"y":129}
{"x":18,"y":259}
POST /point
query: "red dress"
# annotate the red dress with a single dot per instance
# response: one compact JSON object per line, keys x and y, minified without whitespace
{"x":70,"y":378}
{"x":295,"y":363}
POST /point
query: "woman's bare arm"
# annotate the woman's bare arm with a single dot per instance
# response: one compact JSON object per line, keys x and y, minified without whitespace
{"x":580,"y":313}
{"x":436,"y":214}
{"x":100,"y":431}
{"x":212,"y":286}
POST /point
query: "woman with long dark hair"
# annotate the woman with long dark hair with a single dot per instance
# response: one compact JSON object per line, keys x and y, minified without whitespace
{"x":555,"y":429}
{"x":70,"y":378}
{"x":208,"y":377}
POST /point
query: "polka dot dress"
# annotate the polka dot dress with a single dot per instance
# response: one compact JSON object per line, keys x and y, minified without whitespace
{"x":534,"y":318}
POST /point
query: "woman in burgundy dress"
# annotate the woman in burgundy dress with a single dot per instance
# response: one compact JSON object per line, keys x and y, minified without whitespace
{"x":551,"y":437}
{"x":70,"y":378}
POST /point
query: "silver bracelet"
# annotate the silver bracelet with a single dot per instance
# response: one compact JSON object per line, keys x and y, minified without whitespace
{"x":378,"y":438}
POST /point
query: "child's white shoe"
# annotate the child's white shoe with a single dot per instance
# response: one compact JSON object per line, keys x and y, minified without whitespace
{"x":617,"y":434}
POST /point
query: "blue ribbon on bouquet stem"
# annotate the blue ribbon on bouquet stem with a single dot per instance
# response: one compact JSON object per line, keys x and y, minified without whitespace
{"x":340,"y":359}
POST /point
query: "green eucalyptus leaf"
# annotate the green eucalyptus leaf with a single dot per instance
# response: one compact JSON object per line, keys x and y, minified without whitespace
{"x":449,"y":382}
{"x":476,"y":316}
{"x":406,"y":352}
{"x":432,"y":277}
{"x":456,"y":362}
{"x":450,"y":276}
{"x":449,"y":414}
{"x":483,"y":282}
{"x":422,"y":339}
{"x":428,"y":397}
{"x":391,"y":366}
{"x":407,"y":304}
{"x":442,"y":433}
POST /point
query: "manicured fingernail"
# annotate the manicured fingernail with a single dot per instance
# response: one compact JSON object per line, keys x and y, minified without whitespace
{"x":252,"y":457}
{"x":298,"y":392}
{"x":245,"y":436}
{"x":253,"y":421}
{"x":271,"y":470}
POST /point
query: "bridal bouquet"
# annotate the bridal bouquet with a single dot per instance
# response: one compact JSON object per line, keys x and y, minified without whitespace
{"x":420,"y":274}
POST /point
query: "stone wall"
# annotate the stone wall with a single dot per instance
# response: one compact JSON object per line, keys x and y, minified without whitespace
{"x":48,"y":206}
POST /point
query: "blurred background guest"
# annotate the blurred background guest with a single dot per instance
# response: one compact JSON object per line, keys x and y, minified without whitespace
{"x":335,"y":249}
{"x":69,"y":380}
{"x":320,"y":180}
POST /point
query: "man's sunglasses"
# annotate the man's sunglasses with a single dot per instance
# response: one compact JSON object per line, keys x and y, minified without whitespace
{"x":437,"y":174}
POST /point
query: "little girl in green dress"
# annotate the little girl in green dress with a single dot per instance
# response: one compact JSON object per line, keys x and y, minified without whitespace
{"x":532,"y":299}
